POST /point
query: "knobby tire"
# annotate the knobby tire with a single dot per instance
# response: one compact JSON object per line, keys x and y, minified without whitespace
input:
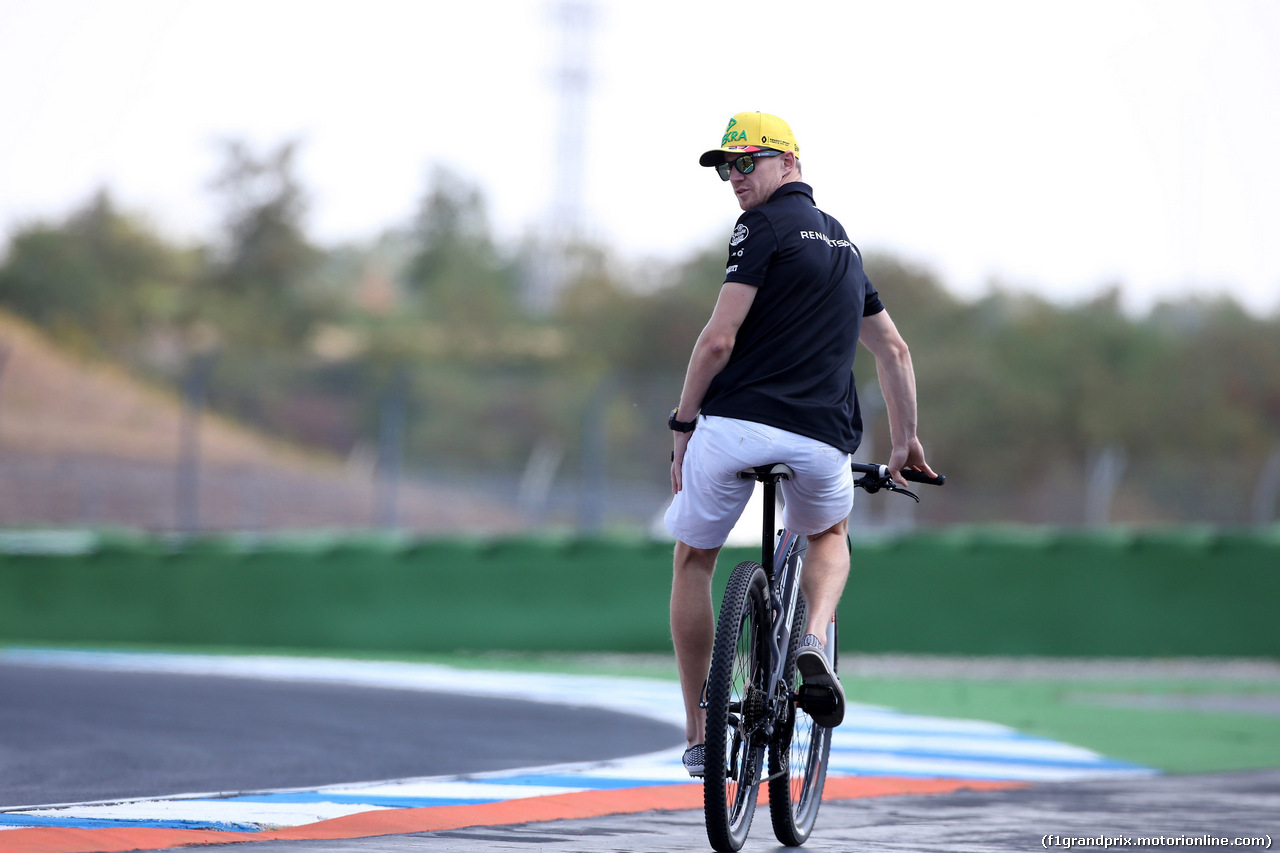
{"x":736,"y":744}
{"x":797,"y":757}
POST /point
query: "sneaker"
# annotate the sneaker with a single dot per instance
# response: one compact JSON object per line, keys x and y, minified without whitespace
{"x":695,"y":760}
{"x":820,"y":682}
{"x":811,"y":641}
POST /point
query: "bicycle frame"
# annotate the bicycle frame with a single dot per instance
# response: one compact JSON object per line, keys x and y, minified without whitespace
{"x":784,"y":566}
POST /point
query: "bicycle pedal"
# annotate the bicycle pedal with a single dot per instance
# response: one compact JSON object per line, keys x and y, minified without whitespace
{"x":816,"y":700}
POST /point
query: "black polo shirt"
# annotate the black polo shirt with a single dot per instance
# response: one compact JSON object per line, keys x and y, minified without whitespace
{"x":792,"y":363}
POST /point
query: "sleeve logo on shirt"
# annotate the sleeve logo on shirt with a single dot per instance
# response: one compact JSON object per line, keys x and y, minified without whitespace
{"x":739,"y":234}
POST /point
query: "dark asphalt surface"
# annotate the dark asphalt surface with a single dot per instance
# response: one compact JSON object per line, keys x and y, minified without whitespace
{"x":78,"y":735}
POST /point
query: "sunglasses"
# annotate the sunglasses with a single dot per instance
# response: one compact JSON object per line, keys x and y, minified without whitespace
{"x":746,"y":164}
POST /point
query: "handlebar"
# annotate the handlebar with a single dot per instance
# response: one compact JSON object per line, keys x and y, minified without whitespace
{"x":876,"y":477}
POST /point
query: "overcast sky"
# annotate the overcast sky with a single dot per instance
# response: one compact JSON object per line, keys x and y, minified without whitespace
{"x":1057,"y":147}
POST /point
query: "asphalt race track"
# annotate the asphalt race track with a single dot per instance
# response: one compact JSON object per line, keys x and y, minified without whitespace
{"x":78,"y":735}
{"x":74,"y":734}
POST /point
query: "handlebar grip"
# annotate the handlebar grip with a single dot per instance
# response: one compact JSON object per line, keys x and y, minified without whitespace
{"x":921,"y":477}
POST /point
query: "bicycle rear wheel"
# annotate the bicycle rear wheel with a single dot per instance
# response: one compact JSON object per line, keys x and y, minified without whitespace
{"x":798,"y":757}
{"x":736,"y":708}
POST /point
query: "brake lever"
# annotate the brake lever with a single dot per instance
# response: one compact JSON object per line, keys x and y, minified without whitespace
{"x":894,"y":487}
{"x":871,"y":485}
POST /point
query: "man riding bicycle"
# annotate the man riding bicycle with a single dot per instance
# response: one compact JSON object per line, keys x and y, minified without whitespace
{"x":770,"y":380}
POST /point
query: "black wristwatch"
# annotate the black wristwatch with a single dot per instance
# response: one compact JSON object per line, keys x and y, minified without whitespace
{"x":681,"y":426}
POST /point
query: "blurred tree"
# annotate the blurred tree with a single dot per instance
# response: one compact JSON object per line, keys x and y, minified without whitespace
{"x":261,"y":297}
{"x":259,"y":289}
{"x":455,"y":272}
{"x":101,"y":279}
{"x":478,"y":371}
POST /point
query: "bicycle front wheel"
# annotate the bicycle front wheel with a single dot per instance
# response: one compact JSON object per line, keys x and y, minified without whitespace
{"x":798,"y":758}
{"x":737,"y":708}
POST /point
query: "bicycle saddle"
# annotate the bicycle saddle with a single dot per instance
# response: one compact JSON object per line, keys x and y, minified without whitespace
{"x":775,"y":472}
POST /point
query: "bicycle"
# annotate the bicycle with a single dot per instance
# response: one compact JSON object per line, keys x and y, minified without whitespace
{"x":755,"y":702}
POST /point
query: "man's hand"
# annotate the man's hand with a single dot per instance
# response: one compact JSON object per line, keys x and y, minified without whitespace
{"x":677,"y":460}
{"x":910,"y":456}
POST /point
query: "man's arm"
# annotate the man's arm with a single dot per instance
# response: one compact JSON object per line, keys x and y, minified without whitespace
{"x":710,"y":355}
{"x":898,"y":385}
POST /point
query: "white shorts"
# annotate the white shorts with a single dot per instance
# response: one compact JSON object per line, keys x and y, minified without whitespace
{"x":712,"y":497}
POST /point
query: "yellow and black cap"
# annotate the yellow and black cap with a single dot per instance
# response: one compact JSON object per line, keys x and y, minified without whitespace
{"x":751,"y":132}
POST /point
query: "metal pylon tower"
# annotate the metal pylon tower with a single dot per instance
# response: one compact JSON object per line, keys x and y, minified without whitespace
{"x":572,"y":77}
{"x":575,"y":20}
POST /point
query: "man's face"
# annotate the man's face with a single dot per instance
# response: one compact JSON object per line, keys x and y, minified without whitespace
{"x":755,"y":189}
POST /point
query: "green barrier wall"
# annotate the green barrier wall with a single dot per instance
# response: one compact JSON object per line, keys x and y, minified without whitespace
{"x":951,"y":592}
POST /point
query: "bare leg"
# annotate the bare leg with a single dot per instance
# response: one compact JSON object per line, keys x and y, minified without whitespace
{"x":826,"y":568}
{"x":693,"y":630}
